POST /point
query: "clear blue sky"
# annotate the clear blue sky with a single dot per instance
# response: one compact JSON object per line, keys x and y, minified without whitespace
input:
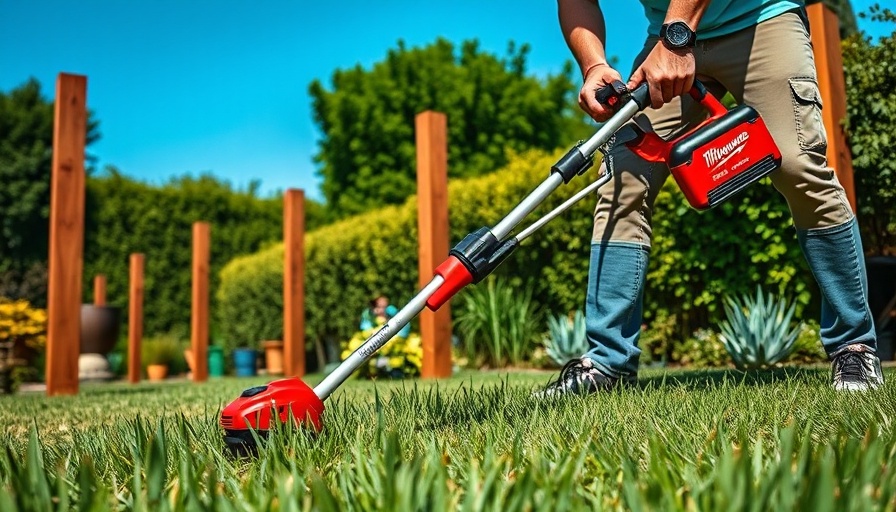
{"x":184,"y":87}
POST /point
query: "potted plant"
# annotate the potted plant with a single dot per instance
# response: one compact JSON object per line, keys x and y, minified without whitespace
{"x":273,"y":356}
{"x":158,"y":354}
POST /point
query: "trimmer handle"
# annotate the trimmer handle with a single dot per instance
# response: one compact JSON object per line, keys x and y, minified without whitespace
{"x":616,"y":93}
{"x":654,"y":148}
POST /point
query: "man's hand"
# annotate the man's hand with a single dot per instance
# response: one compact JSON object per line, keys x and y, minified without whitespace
{"x":668,"y":74}
{"x":596,"y":77}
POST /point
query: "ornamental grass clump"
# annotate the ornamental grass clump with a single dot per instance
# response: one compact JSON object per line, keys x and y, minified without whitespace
{"x":498,"y":323}
{"x":757,"y":331}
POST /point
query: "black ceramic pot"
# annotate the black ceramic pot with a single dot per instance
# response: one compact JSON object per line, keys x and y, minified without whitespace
{"x":100,"y":326}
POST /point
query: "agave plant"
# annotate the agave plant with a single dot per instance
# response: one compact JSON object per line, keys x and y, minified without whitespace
{"x":756,"y":331}
{"x":567,"y":337}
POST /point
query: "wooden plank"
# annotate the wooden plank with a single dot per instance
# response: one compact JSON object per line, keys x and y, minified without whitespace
{"x":432,"y":224}
{"x":135,"y":318}
{"x":199,"y":315}
{"x":825,"y":33}
{"x":66,"y":252}
{"x":99,"y":290}
{"x":294,"y":283}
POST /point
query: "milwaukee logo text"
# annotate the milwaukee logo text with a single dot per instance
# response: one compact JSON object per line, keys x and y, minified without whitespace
{"x":718,"y":155}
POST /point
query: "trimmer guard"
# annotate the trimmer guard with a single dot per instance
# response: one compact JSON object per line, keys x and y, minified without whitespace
{"x":255,"y":407}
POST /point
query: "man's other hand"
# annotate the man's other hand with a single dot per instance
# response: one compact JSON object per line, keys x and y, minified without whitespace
{"x":668,"y":73}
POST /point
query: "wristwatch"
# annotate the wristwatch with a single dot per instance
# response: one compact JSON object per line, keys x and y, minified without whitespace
{"x":677,"y":35}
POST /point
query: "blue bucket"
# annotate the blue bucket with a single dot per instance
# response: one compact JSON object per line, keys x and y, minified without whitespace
{"x":244,"y":360}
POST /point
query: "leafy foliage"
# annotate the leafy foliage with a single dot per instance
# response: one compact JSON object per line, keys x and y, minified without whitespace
{"x":22,"y":324}
{"x":367,"y":152}
{"x":704,"y":349}
{"x":23,"y":338}
{"x":757,"y":331}
{"x":165,"y":349}
{"x":566,"y":338}
{"x":870,"y":69}
{"x":125,"y":216}
{"x":498,"y":323}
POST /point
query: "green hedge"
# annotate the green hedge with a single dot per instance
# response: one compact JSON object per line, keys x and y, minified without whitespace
{"x":697,"y":257}
{"x":125,"y":216}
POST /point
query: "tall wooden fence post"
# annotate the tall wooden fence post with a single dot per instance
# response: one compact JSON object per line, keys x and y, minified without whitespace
{"x":825,"y":30}
{"x":432,"y":224}
{"x":294,"y":283}
{"x":66,"y":252}
{"x":99,"y":290}
{"x":135,"y":318}
{"x":199,"y":316}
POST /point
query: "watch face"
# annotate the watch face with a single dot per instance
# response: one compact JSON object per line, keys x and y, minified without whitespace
{"x":678,"y":34}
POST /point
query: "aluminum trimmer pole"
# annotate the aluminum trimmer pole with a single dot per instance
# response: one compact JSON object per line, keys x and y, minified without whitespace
{"x":587,"y":149}
{"x":498,"y":233}
{"x":376,"y":341}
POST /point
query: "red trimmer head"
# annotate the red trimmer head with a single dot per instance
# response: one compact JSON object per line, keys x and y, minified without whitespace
{"x":255,"y":407}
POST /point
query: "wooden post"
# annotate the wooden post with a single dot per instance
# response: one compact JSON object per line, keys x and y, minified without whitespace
{"x":432,"y":224}
{"x":294,"y":283}
{"x":135,"y":318}
{"x":199,"y":317}
{"x":99,"y":290}
{"x":825,"y":30}
{"x":66,"y":235}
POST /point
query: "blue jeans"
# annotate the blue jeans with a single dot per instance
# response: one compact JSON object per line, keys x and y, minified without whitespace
{"x":835,"y":257}
{"x":613,"y":306}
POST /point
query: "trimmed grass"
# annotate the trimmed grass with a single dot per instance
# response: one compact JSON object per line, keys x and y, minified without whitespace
{"x":683,"y":440}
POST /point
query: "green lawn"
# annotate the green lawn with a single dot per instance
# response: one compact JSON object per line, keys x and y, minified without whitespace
{"x":712,"y":440}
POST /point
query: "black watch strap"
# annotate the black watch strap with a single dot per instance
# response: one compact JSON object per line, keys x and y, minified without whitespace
{"x":677,"y":35}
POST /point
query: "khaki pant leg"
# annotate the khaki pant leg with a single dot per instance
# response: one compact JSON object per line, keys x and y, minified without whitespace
{"x":771,"y":67}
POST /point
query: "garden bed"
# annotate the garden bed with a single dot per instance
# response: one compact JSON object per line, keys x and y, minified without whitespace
{"x":709,"y":440}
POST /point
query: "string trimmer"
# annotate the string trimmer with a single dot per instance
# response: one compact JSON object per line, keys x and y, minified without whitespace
{"x":482,"y":251}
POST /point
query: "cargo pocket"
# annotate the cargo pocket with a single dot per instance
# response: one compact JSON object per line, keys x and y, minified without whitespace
{"x":807,"y":114}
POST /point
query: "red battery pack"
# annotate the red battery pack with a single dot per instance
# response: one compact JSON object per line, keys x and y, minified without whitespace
{"x":723,"y":155}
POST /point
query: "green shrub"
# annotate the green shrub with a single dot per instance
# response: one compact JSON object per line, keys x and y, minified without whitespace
{"x":566,"y":339}
{"x":164,"y":349}
{"x":703,"y":349}
{"x":498,"y":323}
{"x":807,"y":348}
{"x":125,"y":216}
{"x":657,"y":339}
{"x":757,"y":331}
{"x":249,"y":305}
{"x":23,"y":340}
{"x":871,"y":123}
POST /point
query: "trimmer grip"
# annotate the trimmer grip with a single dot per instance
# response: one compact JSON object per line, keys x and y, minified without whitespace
{"x":614,"y":94}
{"x":610,"y":95}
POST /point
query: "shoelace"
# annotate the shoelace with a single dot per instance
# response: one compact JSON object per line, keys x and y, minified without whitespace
{"x":573,"y":369}
{"x":852,"y":364}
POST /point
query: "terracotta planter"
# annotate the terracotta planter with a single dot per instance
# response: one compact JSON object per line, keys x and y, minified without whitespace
{"x":191,"y":362}
{"x":157,"y":372}
{"x":273,"y":356}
